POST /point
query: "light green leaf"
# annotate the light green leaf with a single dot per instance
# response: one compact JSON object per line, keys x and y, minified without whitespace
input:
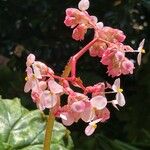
{"x":21,"y":129}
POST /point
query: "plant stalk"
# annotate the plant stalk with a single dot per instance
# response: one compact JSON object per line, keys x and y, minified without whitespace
{"x":51,"y":118}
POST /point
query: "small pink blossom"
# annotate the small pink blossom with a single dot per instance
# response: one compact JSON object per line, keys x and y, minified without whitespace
{"x":140,"y":50}
{"x":112,"y":35}
{"x":30,"y":60}
{"x":99,"y":102}
{"x":54,"y":87}
{"x":97,"y":49}
{"x":89,"y":130}
{"x":100,"y":25}
{"x":77,"y":97}
{"x":127,"y":67}
{"x":47,"y":100}
{"x":79,"y":32}
{"x":36,"y":71}
{"x":120,"y":100}
{"x":31,"y":80}
{"x":83,"y":5}
{"x":105,"y":114}
{"x":78,"y":106}
{"x":88,"y":114}
{"x":68,"y":120}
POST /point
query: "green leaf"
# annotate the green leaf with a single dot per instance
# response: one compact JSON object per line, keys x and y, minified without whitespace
{"x":21,"y":129}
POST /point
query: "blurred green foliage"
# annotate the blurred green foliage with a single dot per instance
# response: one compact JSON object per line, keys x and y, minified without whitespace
{"x":36,"y":26}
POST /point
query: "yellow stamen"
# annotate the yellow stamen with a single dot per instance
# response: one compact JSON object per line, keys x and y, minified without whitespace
{"x":94,"y":126}
{"x":26,"y":78}
{"x":119,"y":90}
{"x":33,"y":76}
{"x":142,"y":50}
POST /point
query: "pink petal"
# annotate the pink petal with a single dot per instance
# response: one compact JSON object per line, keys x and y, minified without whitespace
{"x":105,"y":115}
{"x":50,"y":71}
{"x":55,"y":87}
{"x":62,"y":116}
{"x":88,"y":114}
{"x":37,"y":72}
{"x":141,"y":45}
{"x":78,"y":106}
{"x":120,"y":98}
{"x":99,"y":102}
{"x":47,"y":99}
{"x":89,"y":130}
{"x":30,"y":60}
{"x":114,"y":103}
{"x":116,"y":85}
{"x":29,"y":71}
{"x":94,"y":19}
{"x":84,"y":5}
{"x":42,"y":85}
{"x":139,"y":57}
{"x":95,"y":121}
{"x":70,"y":119}
{"x":27,"y":86}
{"x":100,"y":25}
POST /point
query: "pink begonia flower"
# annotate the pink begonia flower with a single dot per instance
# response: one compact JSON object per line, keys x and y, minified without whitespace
{"x":100,"y":25}
{"x":74,"y":97}
{"x":38,"y":90}
{"x":79,"y":32}
{"x":120,"y":100}
{"x":117,"y":62}
{"x":83,"y":5}
{"x":99,"y":102}
{"x":67,"y":118}
{"x":54,"y":87}
{"x":47,"y":100}
{"x":72,"y":17}
{"x":107,"y":57}
{"x":97,"y":49}
{"x":94,"y":19}
{"x":141,"y":51}
{"x":88,"y":114}
{"x":30,"y":60}
{"x":43,"y":85}
{"x":31,"y":80}
{"x":105,"y":114}
{"x":36,"y":71}
{"x":96,"y":89}
{"x":89,"y":130}
{"x":119,"y":56}
{"x":78,"y":106}
{"x":44,"y":70}
{"x":111,"y":34}
{"x":127,"y":67}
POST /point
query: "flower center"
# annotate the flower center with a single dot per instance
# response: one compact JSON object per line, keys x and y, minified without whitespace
{"x":94,"y":126}
{"x":142,"y":50}
{"x":119,"y":90}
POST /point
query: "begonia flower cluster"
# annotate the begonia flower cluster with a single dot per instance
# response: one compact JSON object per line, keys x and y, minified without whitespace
{"x":46,"y":90}
{"x":91,"y":104}
{"x":108,"y":47}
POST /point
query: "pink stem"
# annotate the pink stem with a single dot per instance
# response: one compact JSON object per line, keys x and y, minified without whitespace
{"x":74,"y":58}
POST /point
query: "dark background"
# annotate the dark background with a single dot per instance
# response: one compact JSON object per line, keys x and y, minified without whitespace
{"x":36,"y":26}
